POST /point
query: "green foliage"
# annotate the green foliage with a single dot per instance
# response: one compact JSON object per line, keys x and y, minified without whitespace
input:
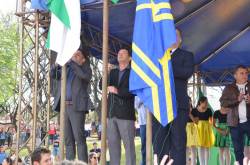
{"x":8,"y":56}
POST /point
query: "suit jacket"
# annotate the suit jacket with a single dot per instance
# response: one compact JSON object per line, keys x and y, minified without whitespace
{"x":79,"y":86}
{"x":120,"y":105}
{"x":183,"y":68}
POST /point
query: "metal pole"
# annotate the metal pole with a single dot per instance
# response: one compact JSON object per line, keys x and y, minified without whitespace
{"x":62,"y":110}
{"x":20,"y":95}
{"x":149,"y":139}
{"x":48,"y":103}
{"x":35,"y":87}
{"x":104,"y":79}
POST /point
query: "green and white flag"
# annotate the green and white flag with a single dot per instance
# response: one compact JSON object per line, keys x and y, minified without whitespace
{"x":65,"y":27}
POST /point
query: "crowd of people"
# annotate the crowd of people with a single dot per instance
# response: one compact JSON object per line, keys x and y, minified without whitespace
{"x":6,"y":136}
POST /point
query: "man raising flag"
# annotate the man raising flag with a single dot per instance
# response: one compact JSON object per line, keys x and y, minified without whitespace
{"x":65,"y":27}
{"x":152,"y":76}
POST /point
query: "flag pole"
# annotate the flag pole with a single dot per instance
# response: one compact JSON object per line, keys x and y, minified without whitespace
{"x":149,"y":139}
{"x":62,"y":110}
{"x":104,"y":80}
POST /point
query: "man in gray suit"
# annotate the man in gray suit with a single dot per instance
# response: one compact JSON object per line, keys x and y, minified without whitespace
{"x":78,"y":77}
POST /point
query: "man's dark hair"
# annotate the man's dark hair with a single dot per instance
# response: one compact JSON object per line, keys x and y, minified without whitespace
{"x":84,"y":50}
{"x":20,"y":160}
{"x":91,"y":155}
{"x":128,"y":49}
{"x":202,"y":99}
{"x":9,"y":161}
{"x":37,"y":154}
{"x":239,"y":67}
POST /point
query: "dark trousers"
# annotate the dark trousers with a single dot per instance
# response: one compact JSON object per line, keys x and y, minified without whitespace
{"x":9,"y":142}
{"x":171,"y":139}
{"x":74,"y":134}
{"x":237,"y":134}
{"x":143,"y":143}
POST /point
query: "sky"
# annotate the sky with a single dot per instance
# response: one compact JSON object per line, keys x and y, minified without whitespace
{"x":8,"y":6}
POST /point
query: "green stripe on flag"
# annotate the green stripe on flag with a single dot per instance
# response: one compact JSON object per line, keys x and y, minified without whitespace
{"x":115,"y":1}
{"x":58,"y":8}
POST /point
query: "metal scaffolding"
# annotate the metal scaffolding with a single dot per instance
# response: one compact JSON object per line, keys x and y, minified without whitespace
{"x":34,"y":83}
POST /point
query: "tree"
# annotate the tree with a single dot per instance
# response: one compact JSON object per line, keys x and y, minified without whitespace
{"x":8,"y":66}
{"x":8,"y":57}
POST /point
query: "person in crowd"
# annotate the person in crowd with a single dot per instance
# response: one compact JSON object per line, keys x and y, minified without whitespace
{"x":93,"y":127}
{"x":192,"y":137}
{"x":51,"y":132}
{"x":205,"y":132}
{"x":23,"y":134}
{"x":41,"y":156}
{"x":38,"y":135}
{"x":236,"y":98}
{"x":142,"y":119}
{"x":121,"y":112}
{"x":19,"y":161}
{"x":2,"y":137}
{"x":67,"y":162}
{"x":222,"y":136}
{"x":93,"y":159}
{"x":96,"y":150}
{"x":43,"y":134}
{"x":78,"y":78}
{"x":171,"y":139}
{"x":56,"y":143}
{"x":3,"y":155}
{"x":8,"y":161}
{"x":99,"y":130}
{"x":9,"y":136}
{"x":28,"y":133}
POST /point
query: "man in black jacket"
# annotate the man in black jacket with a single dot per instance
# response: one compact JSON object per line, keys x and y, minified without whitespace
{"x":121,"y":112}
{"x":77,"y":97}
{"x":172,"y":139}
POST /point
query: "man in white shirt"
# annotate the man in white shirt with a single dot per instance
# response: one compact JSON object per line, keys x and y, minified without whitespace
{"x":236,"y":97}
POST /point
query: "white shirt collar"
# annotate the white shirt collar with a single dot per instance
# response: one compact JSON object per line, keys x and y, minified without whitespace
{"x":172,"y":51}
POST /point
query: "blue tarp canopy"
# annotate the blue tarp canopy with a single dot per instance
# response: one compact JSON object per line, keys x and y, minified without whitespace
{"x":216,"y":31}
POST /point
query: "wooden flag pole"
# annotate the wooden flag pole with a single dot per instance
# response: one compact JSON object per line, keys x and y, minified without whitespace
{"x":62,"y":110}
{"x":149,"y":139}
{"x":104,"y":80}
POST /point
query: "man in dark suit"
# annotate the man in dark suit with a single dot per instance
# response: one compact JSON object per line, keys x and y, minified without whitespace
{"x":121,"y":112}
{"x":78,"y":77}
{"x":172,"y":139}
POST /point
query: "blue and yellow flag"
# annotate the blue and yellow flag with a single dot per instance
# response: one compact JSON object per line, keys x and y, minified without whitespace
{"x":151,"y":77}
